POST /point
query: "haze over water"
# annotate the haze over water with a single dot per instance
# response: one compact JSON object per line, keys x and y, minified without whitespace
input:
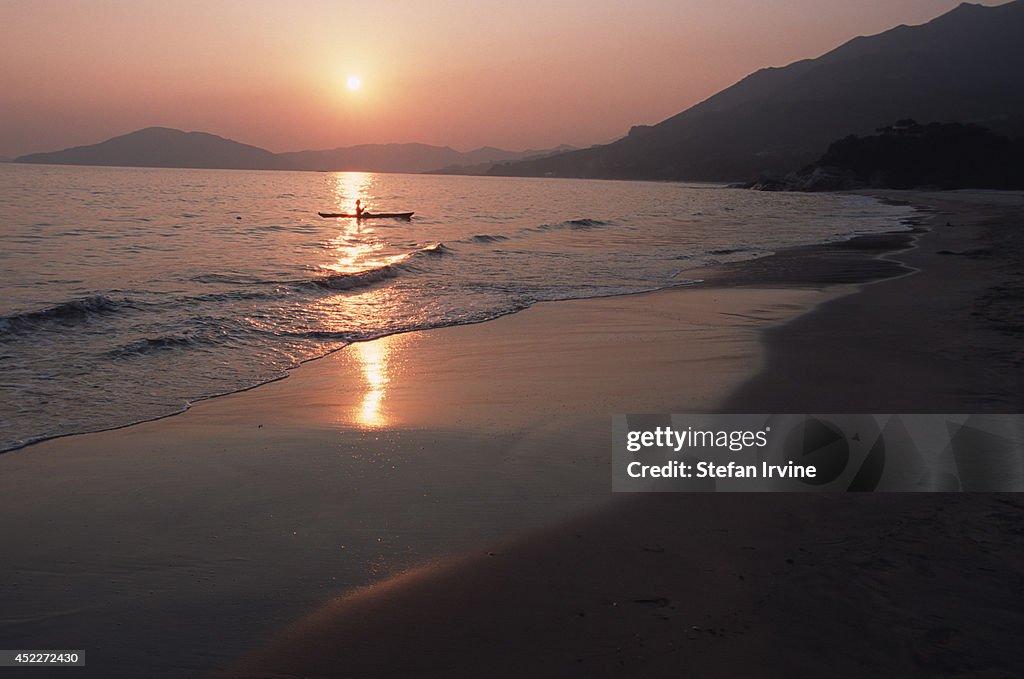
{"x":125,"y":293}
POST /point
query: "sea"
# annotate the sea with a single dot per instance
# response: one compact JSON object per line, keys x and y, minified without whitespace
{"x":127,"y":294}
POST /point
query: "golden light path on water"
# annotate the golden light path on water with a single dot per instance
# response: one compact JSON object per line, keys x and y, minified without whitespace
{"x":356,"y":246}
{"x":355,"y":253}
{"x":376,"y":360}
{"x":373,"y":358}
{"x":350,"y":186}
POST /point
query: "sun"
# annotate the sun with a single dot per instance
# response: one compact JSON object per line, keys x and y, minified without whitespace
{"x":354,"y":82}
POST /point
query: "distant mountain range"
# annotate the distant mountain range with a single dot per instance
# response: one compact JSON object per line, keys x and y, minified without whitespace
{"x":407,"y":158}
{"x":966,"y":66}
{"x":166,"y":147}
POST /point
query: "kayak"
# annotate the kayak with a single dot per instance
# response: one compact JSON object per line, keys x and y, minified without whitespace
{"x":368,"y":215}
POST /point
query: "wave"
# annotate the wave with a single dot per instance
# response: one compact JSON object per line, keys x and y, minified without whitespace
{"x":367,"y":277}
{"x":359,"y":279}
{"x":257,"y":288}
{"x":486,"y":238}
{"x":581,"y":224}
{"x":149,"y":345}
{"x":435,"y":249}
{"x":72,"y":311}
{"x":585,"y":223}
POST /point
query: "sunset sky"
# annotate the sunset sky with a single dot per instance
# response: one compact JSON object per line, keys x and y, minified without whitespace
{"x":463,"y":73}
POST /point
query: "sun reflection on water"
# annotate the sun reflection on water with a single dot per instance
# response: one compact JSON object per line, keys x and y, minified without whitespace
{"x":349,"y":187}
{"x":374,"y":359}
{"x":357,"y":247}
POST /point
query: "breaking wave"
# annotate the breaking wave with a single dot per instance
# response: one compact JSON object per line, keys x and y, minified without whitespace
{"x":359,"y":279}
{"x":72,"y":311}
{"x":367,"y":277}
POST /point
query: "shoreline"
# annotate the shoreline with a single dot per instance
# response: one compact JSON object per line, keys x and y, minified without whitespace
{"x":239,"y":516}
{"x":737,"y":276}
{"x":248,"y":511}
{"x":756,"y":587}
{"x":937,"y":349}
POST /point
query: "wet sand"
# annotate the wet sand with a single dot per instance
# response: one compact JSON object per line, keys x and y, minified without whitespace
{"x":437,"y":503}
{"x":946,"y":339}
{"x":755,"y":585}
{"x":171,"y":547}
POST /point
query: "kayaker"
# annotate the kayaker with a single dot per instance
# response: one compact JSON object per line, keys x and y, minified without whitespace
{"x":359,"y":209}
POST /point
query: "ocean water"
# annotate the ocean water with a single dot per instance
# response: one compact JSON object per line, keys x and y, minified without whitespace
{"x":128,"y":293}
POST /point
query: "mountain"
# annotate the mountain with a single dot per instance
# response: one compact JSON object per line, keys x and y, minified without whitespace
{"x":374,"y":158}
{"x":966,"y":65}
{"x":164,"y":147}
{"x":481,"y":161}
{"x":401,"y":158}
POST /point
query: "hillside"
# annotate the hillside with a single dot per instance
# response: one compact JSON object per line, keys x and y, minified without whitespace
{"x":402,"y":158}
{"x":481,"y":161}
{"x":967,"y":65}
{"x":164,"y":147}
{"x":910,"y":155}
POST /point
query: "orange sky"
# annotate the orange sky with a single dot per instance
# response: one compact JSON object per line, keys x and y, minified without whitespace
{"x":463,"y":73}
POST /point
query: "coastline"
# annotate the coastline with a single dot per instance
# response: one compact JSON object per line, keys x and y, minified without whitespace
{"x":944,"y":340}
{"x":230,"y":521}
{"x":435,"y":443}
{"x":766,"y":585}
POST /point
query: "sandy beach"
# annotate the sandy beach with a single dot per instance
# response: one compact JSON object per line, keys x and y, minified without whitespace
{"x":438,"y":503}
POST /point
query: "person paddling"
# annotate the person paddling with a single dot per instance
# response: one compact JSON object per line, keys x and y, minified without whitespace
{"x":359,"y":209}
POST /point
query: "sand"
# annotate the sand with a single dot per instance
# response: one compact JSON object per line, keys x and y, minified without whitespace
{"x":688,"y":585}
{"x":167,"y":548}
{"x":946,"y":339}
{"x":437,"y":503}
